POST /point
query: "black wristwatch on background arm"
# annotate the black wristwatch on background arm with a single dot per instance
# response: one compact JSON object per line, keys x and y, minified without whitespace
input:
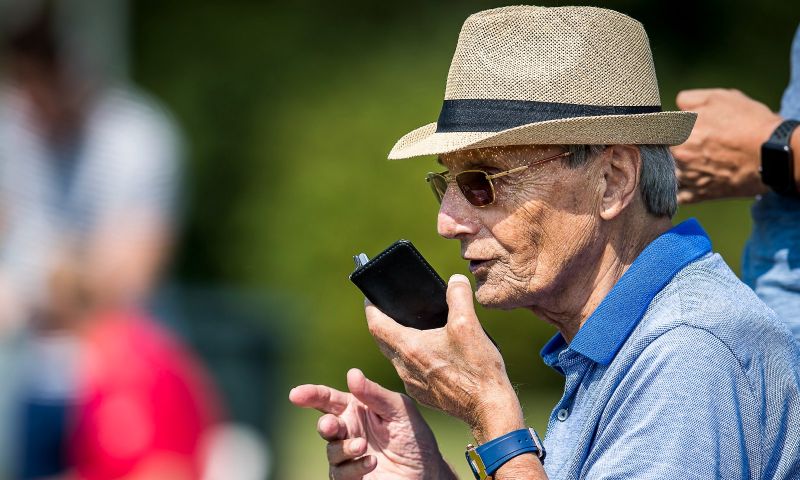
{"x":777,"y":160}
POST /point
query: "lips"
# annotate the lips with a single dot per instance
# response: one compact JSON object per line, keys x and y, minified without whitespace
{"x":477,"y":265}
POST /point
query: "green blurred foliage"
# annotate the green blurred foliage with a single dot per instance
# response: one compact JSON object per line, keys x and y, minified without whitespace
{"x":290,"y":110}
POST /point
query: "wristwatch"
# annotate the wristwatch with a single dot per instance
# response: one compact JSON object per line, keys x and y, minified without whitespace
{"x":487,"y":458}
{"x":777,"y":161}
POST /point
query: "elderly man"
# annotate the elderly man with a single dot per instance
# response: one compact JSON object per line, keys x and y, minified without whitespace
{"x":552,"y":130}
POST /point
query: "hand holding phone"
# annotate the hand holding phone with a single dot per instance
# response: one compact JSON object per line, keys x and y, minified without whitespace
{"x":403,"y":285}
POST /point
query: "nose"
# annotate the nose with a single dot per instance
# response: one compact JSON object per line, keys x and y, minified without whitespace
{"x":456,"y":217}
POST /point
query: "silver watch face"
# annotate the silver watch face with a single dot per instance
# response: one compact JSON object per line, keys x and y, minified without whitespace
{"x":476,"y":463}
{"x":539,"y":445}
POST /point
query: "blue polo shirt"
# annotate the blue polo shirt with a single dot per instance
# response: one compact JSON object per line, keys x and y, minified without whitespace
{"x":681,"y":372}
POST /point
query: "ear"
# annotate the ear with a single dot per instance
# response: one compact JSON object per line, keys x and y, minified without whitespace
{"x":621,"y":167}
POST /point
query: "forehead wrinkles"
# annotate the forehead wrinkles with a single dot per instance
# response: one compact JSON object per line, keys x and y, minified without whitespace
{"x":503,"y":157}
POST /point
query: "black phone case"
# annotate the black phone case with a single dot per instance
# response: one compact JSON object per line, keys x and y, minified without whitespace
{"x":401,"y":283}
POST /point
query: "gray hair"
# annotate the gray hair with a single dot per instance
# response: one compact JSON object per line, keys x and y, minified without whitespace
{"x":657,"y":180}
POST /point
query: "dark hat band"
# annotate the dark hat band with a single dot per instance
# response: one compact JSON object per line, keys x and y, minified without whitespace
{"x":486,"y":115}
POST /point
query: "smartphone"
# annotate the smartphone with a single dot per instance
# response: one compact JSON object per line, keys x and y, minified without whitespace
{"x":403,"y":285}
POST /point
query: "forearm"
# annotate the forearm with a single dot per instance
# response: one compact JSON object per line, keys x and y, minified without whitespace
{"x":493,"y":424}
{"x":124,"y":260}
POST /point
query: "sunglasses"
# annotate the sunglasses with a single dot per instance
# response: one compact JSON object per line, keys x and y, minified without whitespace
{"x":476,"y":185}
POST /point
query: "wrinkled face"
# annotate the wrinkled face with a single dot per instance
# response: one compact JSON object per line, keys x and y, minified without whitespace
{"x":539,"y":233}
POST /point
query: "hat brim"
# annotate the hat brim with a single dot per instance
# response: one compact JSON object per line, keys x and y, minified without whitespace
{"x":662,"y":128}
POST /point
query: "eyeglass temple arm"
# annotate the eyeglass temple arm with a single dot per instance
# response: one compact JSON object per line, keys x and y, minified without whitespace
{"x":430,"y":175}
{"x":508,"y":172}
{"x":523,"y":167}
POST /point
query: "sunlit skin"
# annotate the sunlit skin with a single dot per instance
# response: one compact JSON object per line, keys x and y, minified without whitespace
{"x":550,"y":245}
{"x":555,"y":242}
{"x":722,"y":156}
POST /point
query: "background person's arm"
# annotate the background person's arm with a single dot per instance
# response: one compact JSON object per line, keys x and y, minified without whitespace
{"x":125,"y":258}
{"x":722,"y":156}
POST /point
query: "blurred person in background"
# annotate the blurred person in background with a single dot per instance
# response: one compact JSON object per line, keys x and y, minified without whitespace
{"x":89,"y":171}
{"x":142,"y":407}
{"x":741,"y":148}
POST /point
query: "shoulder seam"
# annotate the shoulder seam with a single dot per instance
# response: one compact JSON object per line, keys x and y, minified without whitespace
{"x":741,"y":369}
{"x":715,"y":337}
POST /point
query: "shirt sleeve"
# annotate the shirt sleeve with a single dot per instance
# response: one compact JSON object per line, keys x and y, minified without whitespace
{"x":137,"y":164}
{"x":684,"y":410}
{"x":790,"y":103}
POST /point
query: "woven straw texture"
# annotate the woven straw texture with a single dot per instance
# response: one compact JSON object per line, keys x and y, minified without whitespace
{"x":572,"y":55}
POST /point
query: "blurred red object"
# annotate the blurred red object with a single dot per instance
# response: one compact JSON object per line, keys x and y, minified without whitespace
{"x":146,"y":404}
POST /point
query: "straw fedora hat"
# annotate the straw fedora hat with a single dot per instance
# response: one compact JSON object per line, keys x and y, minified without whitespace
{"x":534,"y":75}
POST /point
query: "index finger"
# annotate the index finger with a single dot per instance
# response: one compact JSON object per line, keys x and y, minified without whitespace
{"x":684,"y":154}
{"x":320,"y":397}
{"x":688,"y":99}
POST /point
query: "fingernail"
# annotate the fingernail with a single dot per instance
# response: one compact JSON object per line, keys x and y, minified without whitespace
{"x":368,"y":461}
{"x":458,"y":278}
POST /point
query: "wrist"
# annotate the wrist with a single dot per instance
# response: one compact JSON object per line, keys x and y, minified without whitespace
{"x":506,"y":454}
{"x":794,"y":143}
{"x":522,"y":466}
{"x":497,"y":416}
{"x":769,"y":126}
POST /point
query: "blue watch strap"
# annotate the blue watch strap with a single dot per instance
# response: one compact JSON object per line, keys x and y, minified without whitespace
{"x":495,"y":453}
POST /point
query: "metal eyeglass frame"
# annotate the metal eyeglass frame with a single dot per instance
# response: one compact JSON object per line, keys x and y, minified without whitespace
{"x":447,"y":177}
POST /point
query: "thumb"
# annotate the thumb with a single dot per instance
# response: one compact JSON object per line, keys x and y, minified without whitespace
{"x":382,"y":401}
{"x":459,"y":299}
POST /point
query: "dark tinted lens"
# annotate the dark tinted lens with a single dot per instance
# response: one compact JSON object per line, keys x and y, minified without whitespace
{"x":438,"y":185}
{"x":477,"y":189}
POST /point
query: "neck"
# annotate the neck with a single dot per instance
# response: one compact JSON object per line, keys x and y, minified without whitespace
{"x":593,"y":275}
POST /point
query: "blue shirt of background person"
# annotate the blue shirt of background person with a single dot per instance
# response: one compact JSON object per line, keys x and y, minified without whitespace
{"x":771,"y":261}
{"x":722,"y":158}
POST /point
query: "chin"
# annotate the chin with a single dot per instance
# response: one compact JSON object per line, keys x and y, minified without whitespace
{"x":489,"y":296}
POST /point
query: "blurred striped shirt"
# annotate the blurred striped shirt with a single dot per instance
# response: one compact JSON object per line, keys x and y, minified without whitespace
{"x":123,"y":161}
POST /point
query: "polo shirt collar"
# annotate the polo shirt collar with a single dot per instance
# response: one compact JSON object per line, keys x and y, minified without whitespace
{"x":612,"y":322}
